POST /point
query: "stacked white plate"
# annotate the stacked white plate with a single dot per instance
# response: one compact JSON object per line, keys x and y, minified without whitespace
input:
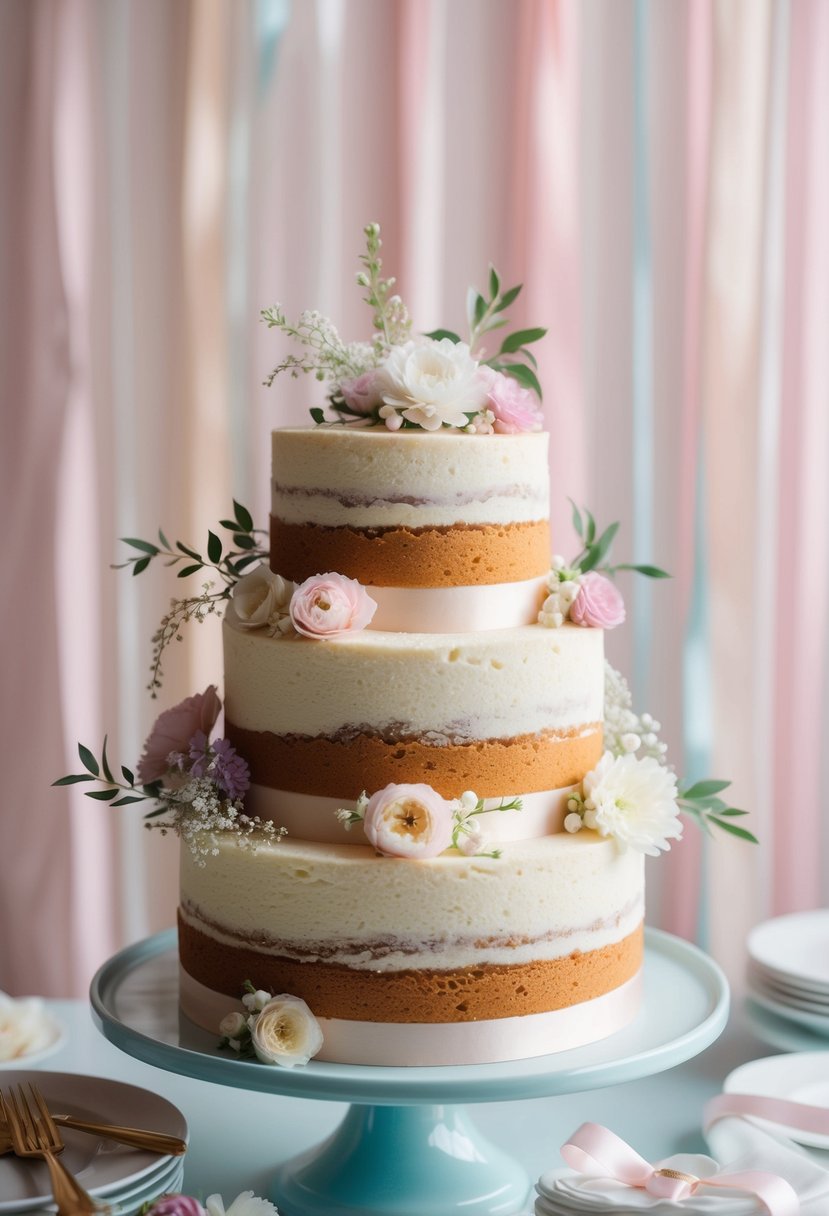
{"x":123,"y":1178}
{"x":788,"y":970}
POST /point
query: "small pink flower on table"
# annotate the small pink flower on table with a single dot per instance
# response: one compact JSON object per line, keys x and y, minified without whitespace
{"x":598,"y":603}
{"x":410,"y":820}
{"x":173,"y":731}
{"x":515,"y":407}
{"x":330,"y":604}
{"x":176,"y":1205}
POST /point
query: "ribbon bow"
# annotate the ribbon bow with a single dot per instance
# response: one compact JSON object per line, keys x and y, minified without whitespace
{"x":598,"y":1152}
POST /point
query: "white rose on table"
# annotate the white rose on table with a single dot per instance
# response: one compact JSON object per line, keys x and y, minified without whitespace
{"x":25,"y":1028}
{"x":286,"y":1032}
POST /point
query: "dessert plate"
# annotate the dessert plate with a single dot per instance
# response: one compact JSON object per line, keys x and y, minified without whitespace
{"x":794,"y":948}
{"x":101,"y":1166}
{"x":797,"y":1077}
{"x":785,"y":988}
{"x":791,"y":1000}
{"x":819,"y":1022}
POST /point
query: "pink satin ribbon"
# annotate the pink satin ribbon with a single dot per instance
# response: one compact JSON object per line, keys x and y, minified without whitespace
{"x":598,"y":1152}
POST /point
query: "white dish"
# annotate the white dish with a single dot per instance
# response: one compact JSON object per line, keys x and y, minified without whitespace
{"x":817,"y":1022}
{"x":780,"y":1032}
{"x":797,"y":992}
{"x":798,"y":1077}
{"x":794,"y":947}
{"x":101,"y":1166}
{"x":787,"y":997}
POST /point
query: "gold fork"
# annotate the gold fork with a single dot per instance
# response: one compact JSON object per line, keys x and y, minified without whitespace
{"x":41,"y":1138}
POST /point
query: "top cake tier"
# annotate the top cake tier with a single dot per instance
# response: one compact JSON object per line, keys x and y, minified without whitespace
{"x":409,"y":510}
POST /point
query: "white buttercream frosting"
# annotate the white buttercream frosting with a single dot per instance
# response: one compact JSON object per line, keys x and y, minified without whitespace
{"x":373,"y":478}
{"x":440,"y":687}
{"x":542,"y":899}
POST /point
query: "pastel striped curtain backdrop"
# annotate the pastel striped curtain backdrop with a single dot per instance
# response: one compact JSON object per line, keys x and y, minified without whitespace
{"x":658,"y":177}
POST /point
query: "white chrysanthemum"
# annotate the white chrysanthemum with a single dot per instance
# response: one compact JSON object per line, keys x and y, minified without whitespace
{"x":433,"y":384}
{"x":634,"y":801}
{"x":246,"y":1204}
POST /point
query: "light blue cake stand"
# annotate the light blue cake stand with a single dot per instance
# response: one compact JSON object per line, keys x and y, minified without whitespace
{"x":406,"y":1147}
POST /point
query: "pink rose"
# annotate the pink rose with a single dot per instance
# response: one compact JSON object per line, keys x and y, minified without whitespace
{"x":409,"y":821}
{"x":515,"y":408}
{"x":173,"y":731}
{"x":329,"y":604}
{"x":176,"y":1205}
{"x":362,"y":393}
{"x":598,"y":602}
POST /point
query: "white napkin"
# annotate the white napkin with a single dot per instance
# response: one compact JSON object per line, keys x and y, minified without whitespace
{"x":739,"y":1144}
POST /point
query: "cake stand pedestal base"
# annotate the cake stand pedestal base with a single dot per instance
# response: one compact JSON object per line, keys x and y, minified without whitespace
{"x":405,"y":1160}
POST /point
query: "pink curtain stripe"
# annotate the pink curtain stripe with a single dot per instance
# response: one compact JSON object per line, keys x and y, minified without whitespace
{"x":804,"y":442}
{"x":682,"y":867}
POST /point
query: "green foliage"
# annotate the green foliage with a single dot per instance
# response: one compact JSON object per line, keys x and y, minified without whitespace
{"x":116,"y":793}
{"x":702,"y":802}
{"x":484,"y":315}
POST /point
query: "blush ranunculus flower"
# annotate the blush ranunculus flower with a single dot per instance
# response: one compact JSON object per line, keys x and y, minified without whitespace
{"x":329,"y":604}
{"x":362,"y":394}
{"x":515,"y":407}
{"x":285,"y":1032}
{"x":598,"y":602}
{"x":173,"y":731}
{"x":176,"y":1205}
{"x":409,"y":821}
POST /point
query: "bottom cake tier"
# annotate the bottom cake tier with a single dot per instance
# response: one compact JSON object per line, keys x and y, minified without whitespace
{"x":448,"y":961}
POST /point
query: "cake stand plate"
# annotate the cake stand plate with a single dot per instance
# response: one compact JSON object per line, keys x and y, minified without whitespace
{"x":405,"y":1148}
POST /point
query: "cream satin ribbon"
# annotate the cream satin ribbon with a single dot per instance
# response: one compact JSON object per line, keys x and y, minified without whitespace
{"x":598,"y":1152}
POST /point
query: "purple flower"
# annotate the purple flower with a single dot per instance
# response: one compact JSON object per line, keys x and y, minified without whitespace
{"x":176,"y":1205}
{"x":200,"y":755}
{"x":229,"y":770}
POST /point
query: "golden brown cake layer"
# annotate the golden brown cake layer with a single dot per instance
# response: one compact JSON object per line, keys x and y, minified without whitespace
{"x":343,"y":768}
{"x":467,"y":995}
{"x":462,"y":555}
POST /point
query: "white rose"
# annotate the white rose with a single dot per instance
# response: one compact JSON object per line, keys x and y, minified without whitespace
{"x":25,"y":1027}
{"x":262,"y":598}
{"x":432,"y":383}
{"x":286,"y":1032}
{"x":232,"y":1025}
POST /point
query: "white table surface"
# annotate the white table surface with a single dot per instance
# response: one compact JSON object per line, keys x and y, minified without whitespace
{"x":239,"y":1137}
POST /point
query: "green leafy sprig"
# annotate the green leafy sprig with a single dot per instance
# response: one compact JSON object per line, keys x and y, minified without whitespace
{"x":702,"y":802}
{"x":463,"y":828}
{"x":391,"y":318}
{"x":101,"y":772}
{"x":484,"y":315}
{"x":227,"y":563}
{"x":596,"y":548}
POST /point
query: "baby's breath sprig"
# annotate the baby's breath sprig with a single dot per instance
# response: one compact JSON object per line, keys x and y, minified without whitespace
{"x":701,"y":800}
{"x":466,"y":835}
{"x":484,"y":315}
{"x":228,"y":564}
{"x":391,"y":318}
{"x":324,"y":354}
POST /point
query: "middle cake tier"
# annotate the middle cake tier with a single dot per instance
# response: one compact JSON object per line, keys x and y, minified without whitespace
{"x":504,"y":713}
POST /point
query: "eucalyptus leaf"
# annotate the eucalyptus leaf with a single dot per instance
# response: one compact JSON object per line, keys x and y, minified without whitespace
{"x":317,"y":415}
{"x":230,"y":524}
{"x":183,"y":573}
{"x":705,"y":789}
{"x":164,"y":540}
{"x":241,"y":563}
{"x":508,"y":297}
{"x":105,"y":763}
{"x":590,"y":533}
{"x":514,"y":342}
{"x":214,"y":548}
{"x":145,"y":546}
{"x":74,"y":779}
{"x":244,"y":516}
{"x":480,"y":309}
{"x":524,"y":375}
{"x":190,"y":552}
{"x":102,"y":795}
{"x":127,"y":799}
{"x":742,"y":833}
{"x":494,"y":282}
{"x":88,"y":760}
{"x":597,"y":551}
{"x":437,"y":334}
{"x":141,"y":565}
{"x":578,"y":525}
{"x":128,"y":774}
{"x":648,"y":571}
{"x":244,"y":540}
